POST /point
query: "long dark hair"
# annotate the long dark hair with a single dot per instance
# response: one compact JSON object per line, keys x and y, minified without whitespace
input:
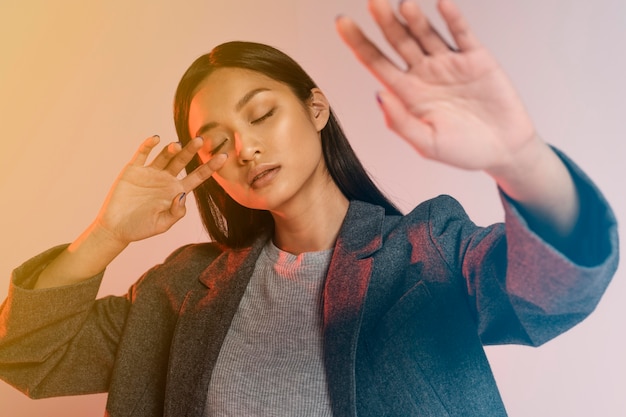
{"x":226,"y":221}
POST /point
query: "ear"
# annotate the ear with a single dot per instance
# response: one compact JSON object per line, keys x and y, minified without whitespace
{"x":319,"y":109}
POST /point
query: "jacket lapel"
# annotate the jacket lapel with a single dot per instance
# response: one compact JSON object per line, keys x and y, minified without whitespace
{"x":207,"y":313}
{"x":205,"y":317}
{"x":344,"y":294}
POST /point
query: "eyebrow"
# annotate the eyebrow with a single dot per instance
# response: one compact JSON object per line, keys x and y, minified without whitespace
{"x":242,"y":102}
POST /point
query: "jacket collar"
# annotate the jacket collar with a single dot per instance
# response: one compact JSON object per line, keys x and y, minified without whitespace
{"x":207,"y":313}
{"x":361,"y":231}
{"x":345,"y":290}
{"x":202,"y":325}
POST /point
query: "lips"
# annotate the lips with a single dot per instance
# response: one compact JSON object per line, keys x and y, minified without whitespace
{"x":261,"y":174}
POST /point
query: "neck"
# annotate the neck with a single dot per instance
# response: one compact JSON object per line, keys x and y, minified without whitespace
{"x":312,"y":226}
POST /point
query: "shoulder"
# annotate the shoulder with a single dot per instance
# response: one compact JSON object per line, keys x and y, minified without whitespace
{"x":180,"y":270}
{"x":438,"y":228}
{"x":366,"y":223}
{"x":436,"y":213}
{"x":194,"y":255}
{"x":438,"y":207}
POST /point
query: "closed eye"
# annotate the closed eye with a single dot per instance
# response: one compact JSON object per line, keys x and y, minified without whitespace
{"x":218,"y":147}
{"x":262,"y":118}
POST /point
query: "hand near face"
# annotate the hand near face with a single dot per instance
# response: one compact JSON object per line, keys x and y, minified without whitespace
{"x":454,"y":105}
{"x":147,"y":199}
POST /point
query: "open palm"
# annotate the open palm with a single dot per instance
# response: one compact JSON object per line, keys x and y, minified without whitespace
{"x":454,"y":105}
{"x":147,"y":199}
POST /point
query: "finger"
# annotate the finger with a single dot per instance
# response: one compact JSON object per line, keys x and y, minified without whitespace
{"x":166,"y":155}
{"x":458,"y":26}
{"x":395,"y":32}
{"x":367,"y":53}
{"x":182,"y":158}
{"x":398,"y":118}
{"x":140,"y":157}
{"x":203,"y":172}
{"x":431,"y":41}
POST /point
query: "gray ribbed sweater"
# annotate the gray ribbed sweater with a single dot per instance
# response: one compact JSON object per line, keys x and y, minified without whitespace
{"x":271,"y":363}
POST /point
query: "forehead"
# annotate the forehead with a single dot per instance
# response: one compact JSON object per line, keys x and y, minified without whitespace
{"x":219,"y":96}
{"x":226,"y":86}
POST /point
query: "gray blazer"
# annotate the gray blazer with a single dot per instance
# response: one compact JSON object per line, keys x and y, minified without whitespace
{"x":409,"y":302}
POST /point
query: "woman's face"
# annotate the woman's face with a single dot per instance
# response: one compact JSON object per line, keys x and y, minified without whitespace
{"x":272,"y":139}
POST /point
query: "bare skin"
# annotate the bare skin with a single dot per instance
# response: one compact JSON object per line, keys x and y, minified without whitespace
{"x":454,"y":105}
{"x":145,"y":200}
{"x":274,"y":129}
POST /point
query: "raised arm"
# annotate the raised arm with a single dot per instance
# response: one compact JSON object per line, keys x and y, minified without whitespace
{"x":454,"y":104}
{"x":145,"y":200}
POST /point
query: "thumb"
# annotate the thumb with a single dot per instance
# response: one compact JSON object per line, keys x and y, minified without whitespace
{"x":177,"y":209}
{"x":167,"y":218}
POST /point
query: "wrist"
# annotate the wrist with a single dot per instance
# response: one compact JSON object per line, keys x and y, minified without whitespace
{"x":86,"y":257}
{"x":97,"y":235}
{"x":541,"y":185}
{"x":522,"y":167}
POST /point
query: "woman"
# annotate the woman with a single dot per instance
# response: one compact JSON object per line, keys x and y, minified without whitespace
{"x":318,"y":297}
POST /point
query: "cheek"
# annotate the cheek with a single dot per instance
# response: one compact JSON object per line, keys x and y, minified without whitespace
{"x":203,"y":157}
{"x":223,"y":180}
{"x":299,"y":137}
{"x":227,"y":178}
{"x":233,"y":188}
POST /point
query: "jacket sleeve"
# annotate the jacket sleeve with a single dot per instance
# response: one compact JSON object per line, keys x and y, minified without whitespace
{"x":523,"y":289}
{"x":58,"y":341}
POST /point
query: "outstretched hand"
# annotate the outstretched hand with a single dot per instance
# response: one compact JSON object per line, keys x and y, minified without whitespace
{"x":147,"y":199}
{"x":451,"y":103}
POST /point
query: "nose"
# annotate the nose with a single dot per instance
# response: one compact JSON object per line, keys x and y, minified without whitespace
{"x":247,"y":147}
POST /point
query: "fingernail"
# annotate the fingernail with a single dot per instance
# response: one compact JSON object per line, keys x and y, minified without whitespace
{"x":156,"y":136}
{"x":180,"y":199}
{"x":339,"y":16}
{"x":224,"y":154}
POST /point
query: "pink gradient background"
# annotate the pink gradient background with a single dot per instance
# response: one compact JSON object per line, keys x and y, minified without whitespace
{"x":82,"y":83}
